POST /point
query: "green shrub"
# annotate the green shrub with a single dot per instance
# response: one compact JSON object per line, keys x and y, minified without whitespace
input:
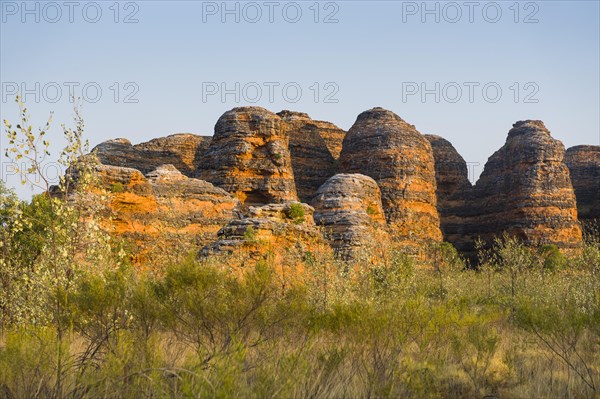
{"x":27,"y":369}
{"x":250,"y":234}
{"x":201,"y":330}
{"x":551,"y":257}
{"x":117,"y":187}
{"x":371,"y":210}
{"x":295,"y":212}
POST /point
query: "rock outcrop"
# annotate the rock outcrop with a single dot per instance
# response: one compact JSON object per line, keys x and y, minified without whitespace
{"x":453,"y":189}
{"x":525,"y":191}
{"x":160,"y":212}
{"x":249,"y":157}
{"x":583,"y":162}
{"x":348,"y":207}
{"x":311,"y":143}
{"x":180,"y":150}
{"x":383,"y":146}
{"x":389,"y":182}
{"x":272,"y":228}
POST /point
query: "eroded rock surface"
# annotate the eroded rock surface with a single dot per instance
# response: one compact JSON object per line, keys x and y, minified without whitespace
{"x":525,"y":191}
{"x":249,"y":157}
{"x":272,"y":227}
{"x":394,"y":181}
{"x":311,"y":144}
{"x":583,"y":162}
{"x":453,"y":189}
{"x":348,"y":207}
{"x":383,"y":146}
{"x":180,"y":150}
{"x":160,"y":212}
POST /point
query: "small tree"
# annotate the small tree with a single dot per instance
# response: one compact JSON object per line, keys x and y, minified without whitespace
{"x":10,"y":209}
{"x":445,"y":259}
{"x":551,"y":258}
{"x":514,"y":258}
{"x":60,"y":222}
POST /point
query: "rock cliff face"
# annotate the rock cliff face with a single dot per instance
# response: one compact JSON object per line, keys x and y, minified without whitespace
{"x":584,"y":165}
{"x":383,"y":146}
{"x":525,"y":191}
{"x":180,"y":150}
{"x":453,"y":189}
{"x":348,"y":207}
{"x":249,"y":157}
{"x":162,"y":211}
{"x":311,"y":144}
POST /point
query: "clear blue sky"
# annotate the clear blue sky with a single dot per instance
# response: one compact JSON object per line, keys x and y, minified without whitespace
{"x":373,"y":55}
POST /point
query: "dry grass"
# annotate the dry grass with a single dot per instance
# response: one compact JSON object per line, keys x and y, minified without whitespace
{"x":384,"y":326}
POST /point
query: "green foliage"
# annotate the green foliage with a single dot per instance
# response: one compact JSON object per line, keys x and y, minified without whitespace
{"x":562,"y":318}
{"x":49,"y":243}
{"x":26,"y":363}
{"x":117,"y":187}
{"x":202,"y":330}
{"x":8,"y":205}
{"x":371,"y":210}
{"x":295,"y":212}
{"x":551,"y":257}
{"x":250,"y":234}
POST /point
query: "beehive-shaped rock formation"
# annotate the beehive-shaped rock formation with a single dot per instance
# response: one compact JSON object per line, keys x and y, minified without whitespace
{"x":525,"y":191}
{"x":383,"y":146}
{"x":249,"y":157}
{"x":160,"y":212}
{"x":272,"y":228}
{"x":453,"y":189}
{"x":348,"y":207}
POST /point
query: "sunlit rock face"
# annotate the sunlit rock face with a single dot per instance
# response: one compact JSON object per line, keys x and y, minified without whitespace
{"x":525,"y":191}
{"x":381,"y":179}
{"x":160,"y":211}
{"x":348,"y":208}
{"x":273,"y":230}
{"x":384,"y":147}
{"x":249,"y":157}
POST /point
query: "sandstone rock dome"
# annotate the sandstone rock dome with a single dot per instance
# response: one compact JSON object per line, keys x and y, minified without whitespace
{"x":348,"y":207}
{"x":383,"y":146}
{"x":453,"y":189}
{"x":249,"y":157}
{"x":525,"y":190}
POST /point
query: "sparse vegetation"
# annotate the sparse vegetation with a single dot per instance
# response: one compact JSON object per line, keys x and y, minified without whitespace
{"x":296,"y":212}
{"x":220,"y":328}
{"x":250,"y":234}
{"x":117,"y":187}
